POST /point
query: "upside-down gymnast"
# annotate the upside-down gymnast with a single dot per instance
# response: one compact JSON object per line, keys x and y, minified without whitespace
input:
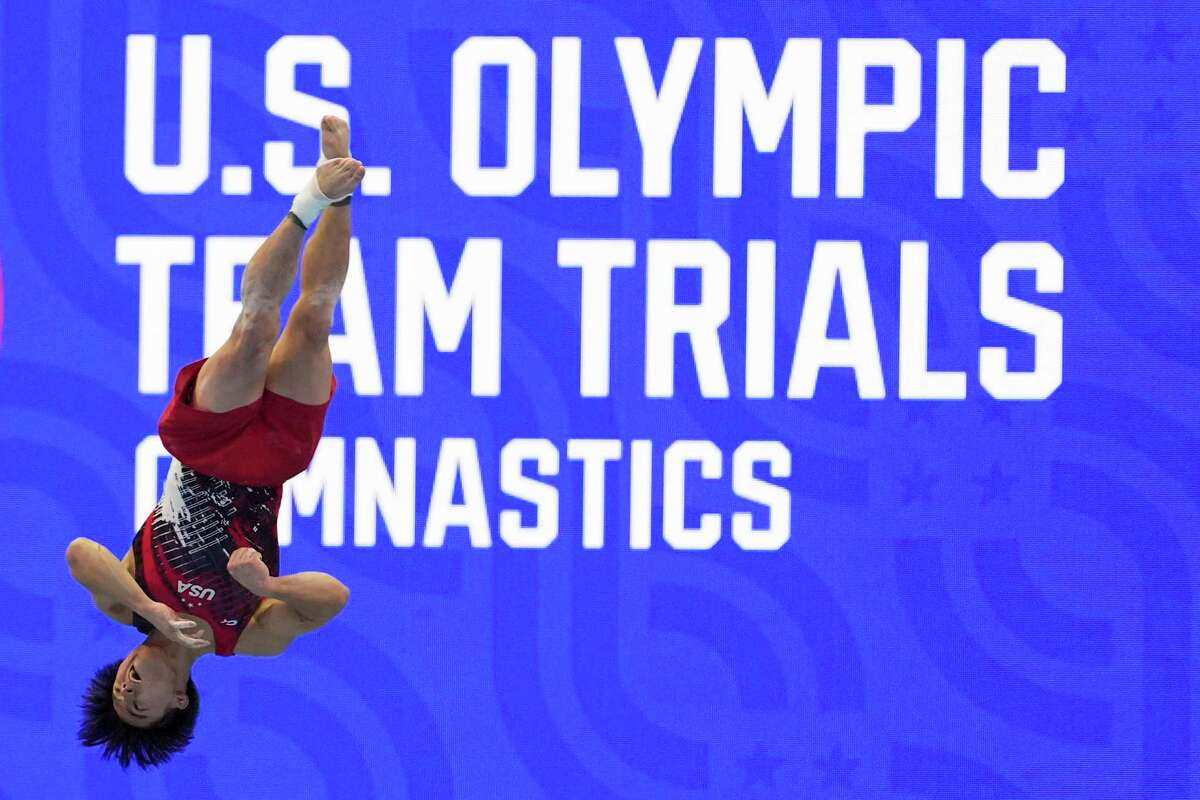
{"x":202,"y":574}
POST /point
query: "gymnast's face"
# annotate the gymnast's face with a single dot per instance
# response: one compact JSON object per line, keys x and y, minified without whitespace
{"x":144,"y":689}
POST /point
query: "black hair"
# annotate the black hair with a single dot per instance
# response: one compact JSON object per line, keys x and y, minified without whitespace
{"x":148,"y":746}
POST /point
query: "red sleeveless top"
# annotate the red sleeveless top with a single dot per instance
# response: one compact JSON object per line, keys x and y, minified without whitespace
{"x":181,"y":550}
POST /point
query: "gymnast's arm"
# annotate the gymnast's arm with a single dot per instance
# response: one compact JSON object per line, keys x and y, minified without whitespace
{"x":117,"y":594}
{"x":293,"y":604}
{"x":113,"y":588}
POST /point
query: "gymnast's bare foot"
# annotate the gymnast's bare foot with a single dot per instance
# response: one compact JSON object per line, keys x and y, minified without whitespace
{"x":338,"y":177}
{"x":335,"y":137}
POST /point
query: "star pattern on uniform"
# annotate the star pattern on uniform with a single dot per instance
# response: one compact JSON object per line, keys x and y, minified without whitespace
{"x":837,"y":769}
{"x":760,"y":767}
{"x":996,"y":485}
{"x":1161,"y":43}
{"x":917,"y":485}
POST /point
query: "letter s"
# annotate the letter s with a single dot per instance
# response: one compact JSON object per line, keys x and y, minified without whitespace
{"x":283,"y":100}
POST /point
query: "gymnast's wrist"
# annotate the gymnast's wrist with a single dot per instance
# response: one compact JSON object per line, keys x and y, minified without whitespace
{"x":272,"y":587}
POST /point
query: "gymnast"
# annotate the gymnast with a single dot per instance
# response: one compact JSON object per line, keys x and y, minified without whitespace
{"x":202,"y":574}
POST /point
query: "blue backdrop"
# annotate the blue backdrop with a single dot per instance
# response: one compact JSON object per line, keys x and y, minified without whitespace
{"x":979,"y":598}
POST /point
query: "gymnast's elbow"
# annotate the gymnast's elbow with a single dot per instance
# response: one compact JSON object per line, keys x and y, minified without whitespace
{"x":79,"y":554}
{"x":341,"y":596}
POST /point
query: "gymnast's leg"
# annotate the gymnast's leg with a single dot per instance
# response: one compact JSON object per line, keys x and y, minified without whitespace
{"x":300,"y":366}
{"x":236,"y":374}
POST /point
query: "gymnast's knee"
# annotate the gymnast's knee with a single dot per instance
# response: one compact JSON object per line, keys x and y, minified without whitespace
{"x":255,"y":331}
{"x":312,"y":317}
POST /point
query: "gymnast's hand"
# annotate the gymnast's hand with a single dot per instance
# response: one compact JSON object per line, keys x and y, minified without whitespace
{"x":247,"y":568}
{"x":174,"y":627}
